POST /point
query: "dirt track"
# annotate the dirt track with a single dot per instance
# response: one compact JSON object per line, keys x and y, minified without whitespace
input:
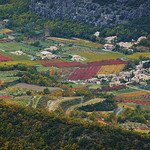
{"x":92,"y":101}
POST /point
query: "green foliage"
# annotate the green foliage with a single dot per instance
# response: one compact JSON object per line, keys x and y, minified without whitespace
{"x":108,"y":105}
{"x":46,"y":91}
{"x":27,"y":128}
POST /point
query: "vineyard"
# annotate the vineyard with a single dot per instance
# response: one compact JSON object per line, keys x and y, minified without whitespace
{"x":65,"y":73}
{"x":65,"y":64}
{"x":138,"y":97}
{"x":99,"y":57}
{"x":5,"y":58}
{"x":111,"y":69}
{"x":27,"y":62}
{"x":51,"y":61}
{"x":137,"y":55}
{"x":85,"y":73}
{"x":5,"y":31}
{"x":108,"y":62}
{"x":77,"y":42}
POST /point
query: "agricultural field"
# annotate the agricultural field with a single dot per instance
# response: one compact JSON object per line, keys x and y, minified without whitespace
{"x":8,"y":76}
{"x":35,"y":87}
{"x":85,"y":73}
{"x":5,"y":58}
{"x":135,"y":126}
{"x":138,"y":97}
{"x":51,"y":61}
{"x":99,"y":57}
{"x":137,"y":55}
{"x":15,"y":46}
{"x":64,"y":64}
{"x":27,"y":62}
{"x":108,"y":62}
{"x":111,"y":69}
{"x":125,"y":91}
{"x":15,"y":57}
{"x":77,"y":41}
{"x":65,"y":73}
{"x":4,"y":31}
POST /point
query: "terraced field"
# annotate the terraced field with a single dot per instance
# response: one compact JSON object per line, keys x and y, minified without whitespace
{"x":77,"y":41}
{"x":99,"y":57}
{"x":111,"y":69}
{"x":137,"y":55}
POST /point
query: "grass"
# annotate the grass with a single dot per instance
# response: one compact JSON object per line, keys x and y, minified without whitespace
{"x":99,"y":57}
{"x":15,"y":46}
{"x":9,"y":79}
{"x":125,"y":91}
{"x":137,"y":55}
{"x":77,"y":42}
{"x":15,"y":57}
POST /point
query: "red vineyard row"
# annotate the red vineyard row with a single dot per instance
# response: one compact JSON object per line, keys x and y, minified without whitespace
{"x":85,"y":73}
{"x":108,"y":62}
{"x":134,"y":101}
{"x":5,"y":58}
{"x":5,"y":97}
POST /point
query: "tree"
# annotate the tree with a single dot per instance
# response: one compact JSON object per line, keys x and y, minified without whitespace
{"x":46,"y":91}
{"x":52,"y":72}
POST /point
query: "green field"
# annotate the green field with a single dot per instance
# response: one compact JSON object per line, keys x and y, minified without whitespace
{"x":91,"y":57}
{"x":9,"y":76}
{"x":124,"y":91}
{"x":15,"y":46}
{"x":15,"y":57}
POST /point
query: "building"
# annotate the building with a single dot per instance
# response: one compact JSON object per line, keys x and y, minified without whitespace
{"x":77,"y":58}
{"x":114,"y":83}
{"x":126,"y":45}
{"x":111,"y":39}
{"x":109,"y":47}
{"x":48,"y":55}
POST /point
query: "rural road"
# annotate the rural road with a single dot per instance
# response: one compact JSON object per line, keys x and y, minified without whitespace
{"x":137,"y":88}
{"x":52,"y":106}
{"x":92,"y":101}
{"x":121,"y":109}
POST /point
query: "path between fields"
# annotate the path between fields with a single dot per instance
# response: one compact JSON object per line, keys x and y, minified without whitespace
{"x":53,"y":105}
{"x":138,"y":88}
{"x":120,"y":110}
{"x":92,"y":101}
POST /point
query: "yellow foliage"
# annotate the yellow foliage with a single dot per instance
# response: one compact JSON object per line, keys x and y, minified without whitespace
{"x":137,"y":55}
{"x":99,"y":57}
{"x":111,"y":69}
{"x":26,"y":62}
{"x":5,"y":30}
{"x":77,"y":42}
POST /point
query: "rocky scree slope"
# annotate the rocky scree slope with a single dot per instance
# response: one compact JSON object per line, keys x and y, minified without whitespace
{"x":97,"y":12}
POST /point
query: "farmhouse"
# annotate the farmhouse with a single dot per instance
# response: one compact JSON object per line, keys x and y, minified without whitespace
{"x":49,"y":55}
{"x":109,"y":47}
{"x":126,"y":45}
{"x":18,"y":52}
{"x":77,"y":58}
{"x":115,"y":83}
{"x":51,"y":48}
{"x":97,"y":34}
{"x":111,"y":39}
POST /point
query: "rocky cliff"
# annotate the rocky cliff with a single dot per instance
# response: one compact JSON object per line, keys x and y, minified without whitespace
{"x":97,"y":12}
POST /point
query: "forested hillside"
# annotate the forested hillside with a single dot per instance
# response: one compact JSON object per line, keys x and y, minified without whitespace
{"x":36,"y":129}
{"x":28,"y":23}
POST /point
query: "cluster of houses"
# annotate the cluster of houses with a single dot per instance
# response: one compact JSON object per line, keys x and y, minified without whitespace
{"x":110,"y":41}
{"x":139,"y":75}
